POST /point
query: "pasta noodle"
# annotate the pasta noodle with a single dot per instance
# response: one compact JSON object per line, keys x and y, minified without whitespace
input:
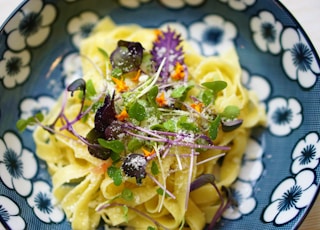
{"x":81,"y":181}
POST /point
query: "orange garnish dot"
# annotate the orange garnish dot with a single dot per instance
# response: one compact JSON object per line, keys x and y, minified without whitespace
{"x":148,"y":153}
{"x":121,"y":85}
{"x":161,"y":100}
{"x":103,"y":167}
{"x":136,"y":77}
{"x":178,"y":73}
{"x":158,"y":33}
{"x":123,"y":115}
{"x":197,"y":106}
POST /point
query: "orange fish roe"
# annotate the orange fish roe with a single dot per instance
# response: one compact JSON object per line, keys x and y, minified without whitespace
{"x":148,"y":153}
{"x":121,"y":85}
{"x":197,"y":106}
{"x":178,"y":73}
{"x":123,"y":115}
{"x":161,"y":100}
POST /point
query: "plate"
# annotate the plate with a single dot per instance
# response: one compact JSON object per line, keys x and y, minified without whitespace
{"x":280,"y":170}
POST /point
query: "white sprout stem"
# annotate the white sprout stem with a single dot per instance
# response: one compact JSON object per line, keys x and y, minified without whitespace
{"x":189,"y":178}
{"x":211,"y":158}
{"x":165,"y":191}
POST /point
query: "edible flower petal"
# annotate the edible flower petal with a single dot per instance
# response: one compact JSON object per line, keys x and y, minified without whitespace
{"x":121,"y":85}
{"x":161,"y":99}
{"x":123,"y":115}
{"x":178,"y":73}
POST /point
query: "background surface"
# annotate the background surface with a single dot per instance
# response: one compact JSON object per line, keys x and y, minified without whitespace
{"x":306,"y":12}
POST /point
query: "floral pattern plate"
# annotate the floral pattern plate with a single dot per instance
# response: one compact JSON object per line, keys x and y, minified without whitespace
{"x":280,"y":173}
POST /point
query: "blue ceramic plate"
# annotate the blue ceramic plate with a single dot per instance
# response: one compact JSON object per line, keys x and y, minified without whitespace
{"x":280,"y":174}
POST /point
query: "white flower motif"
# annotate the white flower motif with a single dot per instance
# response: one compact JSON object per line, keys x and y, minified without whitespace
{"x":15,"y":66}
{"x":298,"y":60}
{"x":239,"y":4}
{"x":214,"y":34}
{"x":43,"y":204}
{"x":81,"y":26}
{"x":289,"y":197}
{"x":306,"y":153}
{"x":252,"y":166}
{"x":256,"y":83}
{"x":72,"y":68}
{"x":176,"y":4}
{"x":31,"y":106}
{"x":17,"y":165}
{"x":266,"y":32}
{"x":132,"y":3}
{"x":30,"y":26}
{"x":242,"y":192}
{"x":9,"y":212}
{"x":284,"y":115}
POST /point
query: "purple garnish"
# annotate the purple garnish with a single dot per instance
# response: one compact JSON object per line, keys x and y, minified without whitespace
{"x":127,"y":56}
{"x":105,"y":114}
{"x":167,"y":46}
{"x":134,"y":165}
{"x":94,"y":148}
{"x":228,"y":126}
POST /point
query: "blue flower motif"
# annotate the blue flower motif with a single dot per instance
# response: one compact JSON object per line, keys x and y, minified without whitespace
{"x":32,"y":106}
{"x":43,"y":204}
{"x":298,"y":60}
{"x":14,"y":172}
{"x":16,"y":68}
{"x":290,"y":197}
{"x":81,"y":26}
{"x":177,"y":4}
{"x":284,"y":115}
{"x":266,"y":32}
{"x":239,"y":4}
{"x":132,"y":3}
{"x":30,"y":26}
{"x":306,"y":153}
{"x":214,"y":34}
{"x":9,"y":212}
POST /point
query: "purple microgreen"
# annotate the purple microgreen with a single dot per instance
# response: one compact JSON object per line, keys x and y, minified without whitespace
{"x":115,"y":174}
{"x":228,"y":126}
{"x":115,"y":145}
{"x":213,"y":128}
{"x":137,"y":111}
{"x":78,"y":84}
{"x":141,"y":213}
{"x":134,"y":165}
{"x":105,"y":114}
{"x":127,"y":194}
{"x":22,"y":124}
{"x":127,"y":56}
{"x":113,"y":130}
{"x":168,"y":46}
{"x":154,"y":168}
{"x":230,"y":112}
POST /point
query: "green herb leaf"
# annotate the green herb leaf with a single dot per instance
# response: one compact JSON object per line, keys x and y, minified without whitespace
{"x":213,"y":128}
{"x":151,"y":228}
{"x":127,"y":194}
{"x":115,"y":174}
{"x":152,"y":94}
{"x":154,"y":168}
{"x":134,"y":144}
{"x":231,"y":112}
{"x":22,"y":124}
{"x":215,"y":86}
{"x":90,"y":91}
{"x":103,"y":52}
{"x":137,"y":111}
{"x":170,"y":125}
{"x":207,"y":97}
{"x":161,"y":192}
{"x":184,"y":124}
{"x":114,"y":145}
{"x":116,"y":72}
{"x":181,"y":92}
{"x":125,"y":212}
